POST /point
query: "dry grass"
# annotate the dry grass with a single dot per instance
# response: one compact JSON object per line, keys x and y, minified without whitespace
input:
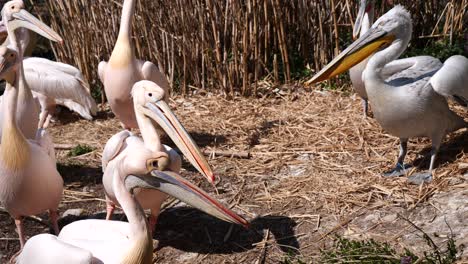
{"x":230,"y":46}
{"x":314,"y":170}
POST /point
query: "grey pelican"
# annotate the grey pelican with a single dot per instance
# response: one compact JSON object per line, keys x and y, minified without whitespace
{"x":409,"y":96}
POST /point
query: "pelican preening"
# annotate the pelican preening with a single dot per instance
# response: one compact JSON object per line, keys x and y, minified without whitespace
{"x":149,"y":104}
{"x":364,"y":21}
{"x":124,"y":69}
{"x":407,"y":95}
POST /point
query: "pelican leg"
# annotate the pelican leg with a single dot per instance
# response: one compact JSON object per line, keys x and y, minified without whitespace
{"x":47,"y":121}
{"x":365,"y":107}
{"x":422,"y":177}
{"x":42,"y":118}
{"x":20,"y":230}
{"x":400,"y":168}
{"x":53,"y":215}
{"x":110,"y":207}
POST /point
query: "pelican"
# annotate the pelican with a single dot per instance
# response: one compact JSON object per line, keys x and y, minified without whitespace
{"x":364,"y":21}
{"x":135,"y":168}
{"x":29,"y":181}
{"x":54,"y":83}
{"x":123,"y":70}
{"x":409,"y":96}
{"x":14,"y":16}
{"x":149,"y":106}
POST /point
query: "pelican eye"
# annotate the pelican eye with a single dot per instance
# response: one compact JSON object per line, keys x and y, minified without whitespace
{"x":150,"y":95}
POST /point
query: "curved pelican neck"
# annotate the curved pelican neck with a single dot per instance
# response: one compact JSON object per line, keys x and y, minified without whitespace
{"x":148,"y":132}
{"x":141,"y":248}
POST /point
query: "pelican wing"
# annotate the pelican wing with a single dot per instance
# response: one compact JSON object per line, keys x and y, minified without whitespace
{"x":62,"y":82}
{"x":113,"y":147}
{"x":152,"y":73}
{"x":451,"y":80}
{"x":411,"y":69}
{"x":46,"y":248}
{"x":101,"y":69}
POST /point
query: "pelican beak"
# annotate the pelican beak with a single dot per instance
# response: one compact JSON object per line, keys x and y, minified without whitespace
{"x":163,"y":115}
{"x":360,"y":16}
{"x":24,"y":19}
{"x":173,"y":184}
{"x":359,"y":50}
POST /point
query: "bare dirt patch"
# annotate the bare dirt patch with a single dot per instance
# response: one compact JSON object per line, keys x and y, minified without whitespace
{"x":314,"y":172}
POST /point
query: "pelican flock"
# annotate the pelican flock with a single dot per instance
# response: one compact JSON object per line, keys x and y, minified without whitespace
{"x":408,"y":96}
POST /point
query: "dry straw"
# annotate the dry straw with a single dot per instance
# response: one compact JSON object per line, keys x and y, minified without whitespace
{"x":229,"y":46}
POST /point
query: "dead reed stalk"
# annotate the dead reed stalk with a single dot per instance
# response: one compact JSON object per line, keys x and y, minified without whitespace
{"x":230,"y":46}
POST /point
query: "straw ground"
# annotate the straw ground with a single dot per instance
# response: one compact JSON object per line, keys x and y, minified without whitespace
{"x":313,"y":172}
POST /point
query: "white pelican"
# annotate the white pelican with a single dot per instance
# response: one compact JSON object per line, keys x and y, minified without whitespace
{"x":149,"y":104}
{"x":364,"y":21}
{"x":14,"y":16}
{"x":29,"y":181}
{"x":99,"y":241}
{"x":124,"y":69}
{"x":54,"y":83}
{"x":408,"y":95}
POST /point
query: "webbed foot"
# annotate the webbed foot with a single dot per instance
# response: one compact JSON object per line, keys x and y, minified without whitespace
{"x":420,"y":178}
{"x":398,"y":171}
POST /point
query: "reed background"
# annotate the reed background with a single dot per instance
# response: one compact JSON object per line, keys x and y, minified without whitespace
{"x":236,"y":47}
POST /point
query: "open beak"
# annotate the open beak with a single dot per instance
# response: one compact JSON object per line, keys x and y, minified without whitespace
{"x":362,"y":48}
{"x":162,"y":114}
{"x":360,"y":16}
{"x":24,"y":19}
{"x":173,"y":184}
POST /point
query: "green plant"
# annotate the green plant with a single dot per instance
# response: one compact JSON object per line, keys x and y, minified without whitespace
{"x":79,"y":150}
{"x":441,"y":49}
{"x":371,"y":251}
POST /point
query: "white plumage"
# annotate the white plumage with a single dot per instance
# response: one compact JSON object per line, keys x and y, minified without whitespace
{"x":59,"y":83}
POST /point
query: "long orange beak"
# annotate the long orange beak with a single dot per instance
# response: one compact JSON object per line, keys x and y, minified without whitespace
{"x":163,"y":115}
{"x":173,"y":184}
{"x":362,"y":48}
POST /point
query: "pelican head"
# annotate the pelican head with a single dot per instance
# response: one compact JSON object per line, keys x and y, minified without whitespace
{"x":393,"y":27}
{"x":148,"y":99}
{"x":14,"y":16}
{"x":365,"y":6}
{"x":8,"y":61}
{"x":171,"y":183}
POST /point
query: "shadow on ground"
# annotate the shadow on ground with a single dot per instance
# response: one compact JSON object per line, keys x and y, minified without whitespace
{"x":448,"y":153}
{"x":73,"y":173}
{"x":190,"y":230}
